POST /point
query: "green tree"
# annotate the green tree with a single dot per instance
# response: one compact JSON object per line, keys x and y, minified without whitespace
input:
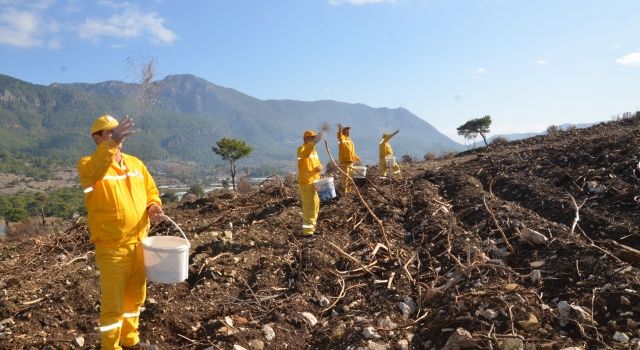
{"x":169,"y":197}
{"x":231,"y":150}
{"x":197,"y":190}
{"x":474,"y":127}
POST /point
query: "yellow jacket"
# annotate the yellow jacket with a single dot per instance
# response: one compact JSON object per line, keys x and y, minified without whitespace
{"x":385,"y":147}
{"x":116,"y":196}
{"x":308,"y":161}
{"x":346,"y":149}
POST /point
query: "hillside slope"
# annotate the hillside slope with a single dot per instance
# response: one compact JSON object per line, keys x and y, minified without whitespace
{"x":435,"y":270}
{"x":182,"y":116}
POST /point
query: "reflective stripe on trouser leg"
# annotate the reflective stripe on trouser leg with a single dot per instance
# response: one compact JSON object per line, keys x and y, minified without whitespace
{"x":396,"y":171}
{"x":134,"y":296}
{"x":346,"y":182}
{"x":118,"y":279}
{"x":310,"y":208}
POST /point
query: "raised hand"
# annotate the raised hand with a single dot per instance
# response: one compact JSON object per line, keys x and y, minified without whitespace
{"x":124,"y":129}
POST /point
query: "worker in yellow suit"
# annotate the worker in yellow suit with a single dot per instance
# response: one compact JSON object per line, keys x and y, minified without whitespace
{"x":346,"y":156}
{"x":309,"y":168}
{"x":121,"y":198}
{"x":386,"y":150}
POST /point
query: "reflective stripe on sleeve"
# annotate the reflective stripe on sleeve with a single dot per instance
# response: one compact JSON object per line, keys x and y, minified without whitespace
{"x":111,"y":326}
{"x":88,"y":189}
{"x":114,"y":177}
{"x":308,"y":226}
{"x":122,"y":177}
{"x":131,"y":314}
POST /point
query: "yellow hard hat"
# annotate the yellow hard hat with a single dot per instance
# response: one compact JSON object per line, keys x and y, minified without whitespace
{"x":309,"y":133}
{"x":104,"y":122}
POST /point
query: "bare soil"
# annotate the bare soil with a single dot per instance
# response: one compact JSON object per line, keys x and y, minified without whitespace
{"x":440,"y":243}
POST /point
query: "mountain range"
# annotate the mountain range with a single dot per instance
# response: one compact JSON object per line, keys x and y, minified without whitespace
{"x":182,"y":116}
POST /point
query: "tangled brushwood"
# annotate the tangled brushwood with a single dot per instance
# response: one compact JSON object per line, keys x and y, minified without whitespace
{"x":523,"y":245}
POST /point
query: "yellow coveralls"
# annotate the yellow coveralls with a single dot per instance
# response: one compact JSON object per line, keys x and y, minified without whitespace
{"x":346,"y":157}
{"x":117,"y":196}
{"x":386,"y":150}
{"x":308,"y":163}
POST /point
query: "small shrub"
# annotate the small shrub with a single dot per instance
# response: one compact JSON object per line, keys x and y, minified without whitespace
{"x":430,"y":156}
{"x":552,"y":130}
{"x":446,"y":155}
{"x":169,"y":197}
{"x":189,"y":197}
{"x":499,"y":140}
{"x":407,"y":158}
{"x":197,"y":190}
{"x":290,"y":178}
{"x":243,"y":186}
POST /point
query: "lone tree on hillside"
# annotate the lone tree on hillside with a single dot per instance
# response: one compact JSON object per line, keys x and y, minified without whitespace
{"x":231,"y":150}
{"x":473,"y":127}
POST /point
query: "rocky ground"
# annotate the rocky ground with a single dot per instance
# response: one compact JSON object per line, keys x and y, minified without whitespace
{"x":525,"y":245}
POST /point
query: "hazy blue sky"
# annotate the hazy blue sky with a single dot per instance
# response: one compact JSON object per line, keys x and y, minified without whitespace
{"x":528,"y":64}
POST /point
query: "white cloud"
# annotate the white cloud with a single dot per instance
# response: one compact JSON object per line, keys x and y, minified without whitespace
{"x":480,"y":71}
{"x":114,"y":4}
{"x":632,"y":59}
{"x":360,"y":2}
{"x":541,"y":62}
{"x":130,"y":24}
{"x":19,"y":28}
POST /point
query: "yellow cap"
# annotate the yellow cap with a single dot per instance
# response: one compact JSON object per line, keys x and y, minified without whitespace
{"x":104,"y":122}
{"x":309,"y":133}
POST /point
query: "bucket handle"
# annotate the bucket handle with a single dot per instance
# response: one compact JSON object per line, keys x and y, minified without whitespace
{"x":179,"y":229}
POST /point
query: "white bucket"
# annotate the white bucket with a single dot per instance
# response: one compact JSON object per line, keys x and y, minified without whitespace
{"x":359,"y":172}
{"x":390,"y":161}
{"x":166,"y":258}
{"x":326,"y":189}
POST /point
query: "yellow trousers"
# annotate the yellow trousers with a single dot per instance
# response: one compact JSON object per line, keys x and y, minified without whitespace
{"x":346,"y":182}
{"x":123,"y":287}
{"x":310,"y":208}
{"x":395,"y":170}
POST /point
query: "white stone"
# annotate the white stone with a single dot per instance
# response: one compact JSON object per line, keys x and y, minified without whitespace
{"x":238,"y":347}
{"x":536,"y":275}
{"x":403,"y":344}
{"x":371,"y":345}
{"x":256,"y":344}
{"x":512,"y":344}
{"x":620,"y":337}
{"x":405,"y":309}
{"x":624,"y":300}
{"x":387,"y":324}
{"x":79,"y":341}
{"x":370,"y":333}
{"x":488,"y":314}
{"x":309,"y":318}
{"x":269,"y":334}
{"x":460,"y":339}
{"x":411,"y":304}
{"x":324,"y":302}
